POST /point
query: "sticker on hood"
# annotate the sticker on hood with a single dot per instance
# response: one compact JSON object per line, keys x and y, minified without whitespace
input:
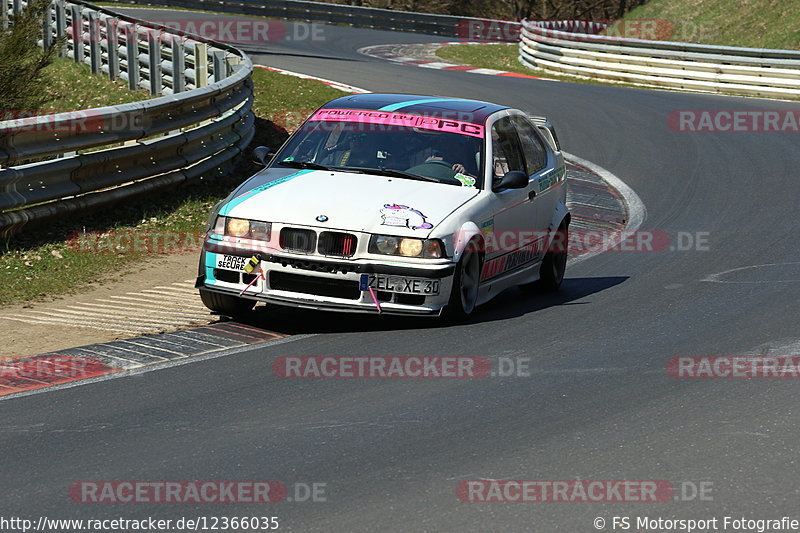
{"x":404,"y":217}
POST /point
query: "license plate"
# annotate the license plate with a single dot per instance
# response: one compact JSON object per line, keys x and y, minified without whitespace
{"x":232,"y":262}
{"x":399,"y":284}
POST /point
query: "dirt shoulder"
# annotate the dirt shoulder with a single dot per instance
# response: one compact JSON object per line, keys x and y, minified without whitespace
{"x":119,"y":306}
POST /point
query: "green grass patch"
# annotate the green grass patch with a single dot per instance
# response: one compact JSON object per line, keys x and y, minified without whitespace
{"x":41,"y":263}
{"x":748,"y":23}
{"x":71,"y":86}
{"x":496,"y":56}
{"x":287,"y":100}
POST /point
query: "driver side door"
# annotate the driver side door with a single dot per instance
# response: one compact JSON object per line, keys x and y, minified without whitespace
{"x":512,"y":230}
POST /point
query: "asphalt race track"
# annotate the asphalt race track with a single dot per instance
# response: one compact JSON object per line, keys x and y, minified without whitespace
{"x":598,"y":403}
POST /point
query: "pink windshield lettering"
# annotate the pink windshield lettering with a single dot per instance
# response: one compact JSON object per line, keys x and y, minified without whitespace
{"x":366,"y":116}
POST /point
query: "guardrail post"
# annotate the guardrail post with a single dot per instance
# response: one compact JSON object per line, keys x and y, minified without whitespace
{"x":112,"y":39}
{"x":154,"y":56}
{"x":230,"y":62}
{"x":218,"y":58}
{"x":95,"y":60}
{"x":132,"y":52}
{"x":77,"y":33}
{"x":61,"y":24}
{"x":200,"y":65}
{"x":47,"y":28}
{"x":178,"y":65}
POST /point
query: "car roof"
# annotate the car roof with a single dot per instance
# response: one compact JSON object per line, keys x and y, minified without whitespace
{"x":413,"y":104}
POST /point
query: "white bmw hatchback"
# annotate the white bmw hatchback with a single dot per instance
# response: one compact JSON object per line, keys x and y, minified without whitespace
{"x":388,"y":203}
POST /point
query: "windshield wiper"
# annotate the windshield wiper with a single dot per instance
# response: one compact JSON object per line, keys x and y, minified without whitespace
{"x":391,"y":172}
{"x":302,"y":164}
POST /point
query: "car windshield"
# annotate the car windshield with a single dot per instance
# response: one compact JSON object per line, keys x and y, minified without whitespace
{"x":398,"y":149}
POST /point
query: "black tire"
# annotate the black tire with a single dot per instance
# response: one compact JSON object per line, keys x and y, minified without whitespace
{"x":225,"y":304}
{"x":463,"y":298}
{"x":554,"y":264}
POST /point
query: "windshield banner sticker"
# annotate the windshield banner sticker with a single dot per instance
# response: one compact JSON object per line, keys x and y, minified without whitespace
{"x":403,"y":216}
{"x":399,"y":119}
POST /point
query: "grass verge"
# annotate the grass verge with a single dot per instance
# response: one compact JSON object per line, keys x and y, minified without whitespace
{"x":64,"y":75}
{"x":40,"y":264}
{"x":748,"y":23}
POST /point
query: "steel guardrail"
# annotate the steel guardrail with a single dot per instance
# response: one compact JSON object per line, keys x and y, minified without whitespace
{"x":199,"y":119}
{"x":578,"y":50}
{"x":360,"y":16}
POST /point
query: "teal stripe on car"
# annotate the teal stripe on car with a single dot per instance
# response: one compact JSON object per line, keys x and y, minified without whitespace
{"x":211,"y":264}
{"x":227,"y":208}
{"x":401,"y":105}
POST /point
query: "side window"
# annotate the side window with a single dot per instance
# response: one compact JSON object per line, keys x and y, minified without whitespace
{"x":506,"y":152}
{"x":532,"y":147}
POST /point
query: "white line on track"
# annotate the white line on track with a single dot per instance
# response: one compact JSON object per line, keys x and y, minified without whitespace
{"x":65,"y":322}
{"x":147,"y":311}
{"x":153,"y":299}
{"x":143,"y":310}
{"x":100,"y":318}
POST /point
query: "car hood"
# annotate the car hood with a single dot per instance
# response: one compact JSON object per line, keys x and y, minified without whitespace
{"x":347,"y":201}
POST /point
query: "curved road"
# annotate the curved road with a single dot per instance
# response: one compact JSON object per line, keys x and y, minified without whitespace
{"x":597,"y":405}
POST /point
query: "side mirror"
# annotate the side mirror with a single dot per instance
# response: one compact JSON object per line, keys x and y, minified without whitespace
{"x":514,"y":179}
{"x":262,"y":155}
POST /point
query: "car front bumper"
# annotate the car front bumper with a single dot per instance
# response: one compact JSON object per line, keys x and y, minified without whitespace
{"x":314,"y":282}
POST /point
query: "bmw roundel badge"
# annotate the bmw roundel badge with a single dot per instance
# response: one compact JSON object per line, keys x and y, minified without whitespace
{"x":322,"y":218}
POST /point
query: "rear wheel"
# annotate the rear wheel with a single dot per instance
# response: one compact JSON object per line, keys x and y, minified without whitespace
{"x":464,"y":293}
{"x":225,"y":304}
{"x":554,"y":264}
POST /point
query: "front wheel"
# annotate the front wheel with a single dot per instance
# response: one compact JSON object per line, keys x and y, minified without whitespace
{"x":225,"y":304}
{"x":466,"y":280}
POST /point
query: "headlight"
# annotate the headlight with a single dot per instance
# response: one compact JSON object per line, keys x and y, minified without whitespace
{"x":260,"y":230}
{"x":237,"y":227}
{"x":410,"y":247}
{"x":386,"y":245}
{"x":406,"y":247}
{"x":240,"y":227}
